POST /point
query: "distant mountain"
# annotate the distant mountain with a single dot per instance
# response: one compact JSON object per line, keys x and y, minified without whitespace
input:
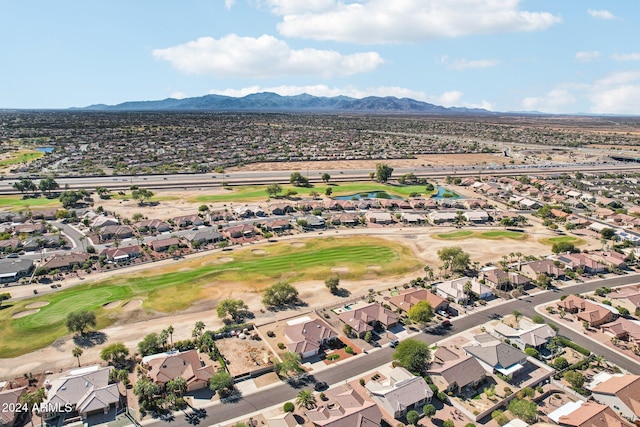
{"x":272,"y":102}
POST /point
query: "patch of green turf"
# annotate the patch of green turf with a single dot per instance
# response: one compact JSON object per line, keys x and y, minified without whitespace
{"x":176,"y":287}
{"x":503,"y":234}
{"x":569,"y":239}
{"x":17,"y":203}
{"x":454,"y":235}
{"x":21,"y":156}
{"x":490,"y":235}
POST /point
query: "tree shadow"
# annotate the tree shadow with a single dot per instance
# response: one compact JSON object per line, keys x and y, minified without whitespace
{"x":5,"y":306}
{"x":90,"y":339}
{"x":342,"y":293}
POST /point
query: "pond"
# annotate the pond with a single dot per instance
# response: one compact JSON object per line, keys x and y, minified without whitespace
{"x":45,"y":149}
{"x":443,"y":191}
{"x":368,"y":195}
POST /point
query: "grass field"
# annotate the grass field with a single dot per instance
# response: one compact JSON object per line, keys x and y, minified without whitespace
{"x":569,"y":239}
{"x":20,"y":156}
{"x":17,"y":203}
{"x":175,"y":288}
{"x":258,"y":192}
{"x":489,"y":235}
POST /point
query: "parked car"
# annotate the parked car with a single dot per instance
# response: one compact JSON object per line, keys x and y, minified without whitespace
{"x":446,"y":323}
{"x":320,"y":386}
{"x":394,"y":343}
{"x":443,"y":313}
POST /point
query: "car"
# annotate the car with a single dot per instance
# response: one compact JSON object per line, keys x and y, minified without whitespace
{"x":446,"y":323}
{"x":443,"y":313}
{"x":12,"y":256}
{"x":320,"y":386}
{"x":394,"y":343}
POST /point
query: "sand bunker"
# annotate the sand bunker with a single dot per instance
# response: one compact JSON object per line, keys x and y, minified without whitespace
{"x":259,"y":251}
{"x":112,"y":304}
{"x":132,"y":305}
{"x":225,"y":259}
{"x":340,"y":269}
{"x":374,"y":267}
{"x":297,"y":244}
{"x":25,"y":313}
{"x":38,"y":304}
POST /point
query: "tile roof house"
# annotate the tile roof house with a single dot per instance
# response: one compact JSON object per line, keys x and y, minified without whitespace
{"x":187,"y":221}
{"x":203,"y":236}
{"x":571,"y":304}
{"x":121,"y":254}
{"x":597,"y":314}
{"x":534,"y":336}
{"x":363,"y":318}
{"x":345,"y":408}
{"x":379,"y":217}
{"x":65,"y":261}
{"x":240,"y":230}
{"x":409,"y":298}
{"x":87,"y":390}
{"x":111,"y":232}
{"x":496,"y":356}
{"x":620,"y":392}
{"x":624,"y":329}
{"x":500,"y":278}
{"x":587,"y":414}
{"x":455,"y":372}
{"x":152,"y":225}
{"x":454,"y":289}
{"x":610,"y":258}
{"x":306,"y":336}
{"x":400,"y":392}
{"x":162,"y":245}
{"x":581,"y":261}
{"x":9,"y":398}
{"x":165,"y":367}
{"x":534,"y":269}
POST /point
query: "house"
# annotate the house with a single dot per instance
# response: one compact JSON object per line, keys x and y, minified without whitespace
{"x":378,"y":217}
{"x":535,"y":336}
{"x":345,"y":408}
{"x":281,"y":208}
{"x":530,"y":204}
{"x":10,"y":245}
{"x":455,"y":373}
{"x":121,"y":254}
{"x":152,"y":226}
{"x":203,"y":237}
{"x":164,"y":367}
{"x":314,"y":222}
{"x":496,"y":356}
{"x":275,"y":225}
{"x":364,"y":318}
{"x":583,"y":262}
{"x":185,"y":221}
{"x":8,"y":399}
{"x":239,"y":231}
{"x":587,"y":414}
{"x":476,"y":217}
{"x":345,"y":219}
{"x":621,"y":393}
{"x":306,"y":336}
{"x":603,"y":213}
{"x":409,"y":298}
{"x":12,"y":269}
{"x":30,"y":227}
{"x":162,"y":245}
{"x":534,"y":269}
{"x":455,"y":289}
{"x":400,"y":392}
{"x":571,"y":304}
{"x":559,"y":214}
{"x":596,"y":314}
{"x":441,"y":217}
{"x":87,"y":390}
{"x":44,"y":241}
{"x":500,"y":278}
{"x":65,"y":261}
{"x":111,"y":232}
{"x":103,"y":221}
{"x":412,"y":218}
{"x":286,"y":419}
{"x":611,"y":258}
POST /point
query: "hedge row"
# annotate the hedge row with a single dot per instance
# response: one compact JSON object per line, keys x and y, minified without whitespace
{"x":567,"y":343}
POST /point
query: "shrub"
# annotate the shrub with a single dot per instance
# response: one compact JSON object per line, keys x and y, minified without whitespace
{"x":560,"y":363}
{"x":281,"y":346}
{"x":499,"y":417}
{"x":442,"y":396}
{"x":567,"y":343}
{"x":362,"y":382}
{"x":288,"y":407}
{"x":271,"y":334}
{"x":348,"y":350}
{"x":413,"y":417}
{"x":531,"y":352}
{"x":448,"y":423}
{"x":507,"y":391}
{"x":429,"y":410}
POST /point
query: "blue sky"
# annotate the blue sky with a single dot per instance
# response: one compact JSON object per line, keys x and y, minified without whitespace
{"x":556,"y":56}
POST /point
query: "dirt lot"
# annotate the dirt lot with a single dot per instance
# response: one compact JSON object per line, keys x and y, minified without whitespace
{"x":244,"y":355}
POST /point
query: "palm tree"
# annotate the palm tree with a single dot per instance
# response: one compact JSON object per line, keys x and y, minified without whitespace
{"x":306,"y":398}
{"x":77,"y":352}
{"x":170,"y":332}
{"x":517,"y":314}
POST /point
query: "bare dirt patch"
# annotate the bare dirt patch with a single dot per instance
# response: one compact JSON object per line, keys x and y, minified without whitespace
{"x":374,"y":267}
{"x":259,"y":252}
{"x":340,"y":269}
{"x":112,"y":305}
{"x":132,"y":305}
{"x":37,"y":304}
{"x":297,"y":245}
{"x":244,"y":355}
{"x":25,"y":313}
{"x":225,"y":259}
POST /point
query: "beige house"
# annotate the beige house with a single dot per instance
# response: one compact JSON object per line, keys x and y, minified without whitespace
{"x":306,"y":336}
{"x":621,"y":393}
{"x":165,"y":367}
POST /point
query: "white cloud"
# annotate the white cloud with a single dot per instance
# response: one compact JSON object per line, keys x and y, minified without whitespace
{"x":463,"y":64}
{"x":617,"y":93}
{"x":229,"y":3}
{"x":626,"y":56}
{"x":262,"y":57}
{"x":385,"y":21}
{"x":601,"y":14}
{"x":554,"y":101}
{"x":178,"y":95}
{"x":586,"y":56}
{"x":446,"y":99}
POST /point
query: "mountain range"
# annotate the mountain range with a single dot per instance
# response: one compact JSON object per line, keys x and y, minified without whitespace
{"x":272,"y":102}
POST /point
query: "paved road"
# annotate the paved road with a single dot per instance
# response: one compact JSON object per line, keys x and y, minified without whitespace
{"x":339,"y":373}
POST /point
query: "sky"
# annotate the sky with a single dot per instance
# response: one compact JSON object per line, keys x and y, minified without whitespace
{"x":553,"y":56}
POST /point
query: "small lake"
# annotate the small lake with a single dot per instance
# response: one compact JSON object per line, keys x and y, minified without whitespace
{"x":45,"y":149}
{"x":369,"y":195}
{"x":441,"y":193}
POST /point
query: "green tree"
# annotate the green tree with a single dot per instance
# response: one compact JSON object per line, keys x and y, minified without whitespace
{"x":563,"y":247}
{"x":288,"y":407}
{"x":413,"y":417}
{"x":607,"y":233}
{"x":33,"y":399}
{"x":422,"y":312}
{"x":560,"y":363}
{"x":429,"y":410}
{"x":273,"y":190}
{"x":575,"y":378}
{"x":77,"y":352}
{"x":47,"y":185}
{"x":141,"y":194}
{"x":326,"y":177}
{"x":150,"y":344}
{"x":517,"y":314}
{"x":524,"y":409}
{"x":176,"y":388}
{"x":25,"y":185}
{"x":115,"y":354}
{"x":4,"y":296}
{"x":454,"y":259}
{"x":78,"y":321}
{"x":70,"y":199}
{"x":332,"y":283}
{"x":448,"y":423}
{"x":499,"y":417}
{"x":280,"y":294}
{"x":222,"y":383}
{"x":103,"y":192}
{"x":298,"y":180}
{"x":148,"y":393}
{"x":235,"y":308}
{"x":290,"y":365}
{"x":538,"y":319}
{"x":305,"y":399}
{"x":412,"y":354}
{"x":197,"y":332}
{"x":530,"y":351}
{"x":328,"y":191}
{"x":383,"y":172}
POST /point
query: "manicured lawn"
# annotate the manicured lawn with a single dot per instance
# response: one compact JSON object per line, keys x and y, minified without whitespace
{"x":176,"y":287}
{"x":490,"y":235}
{"x":17,"y":203}
{"x":20,"y":156}
{"x":258,"y":192}
{"x":569,"y":239}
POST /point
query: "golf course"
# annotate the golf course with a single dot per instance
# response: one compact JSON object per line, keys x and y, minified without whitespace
{"x":489,"y":235}
{"x":176,"y":287}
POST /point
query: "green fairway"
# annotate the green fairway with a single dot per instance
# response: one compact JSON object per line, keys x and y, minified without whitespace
{"x":20,"y":156}
{"x":568,"y":239}
{"x":175,"y":288}
{"x":17,"y":203}
{"x":258,"y":192}
{"x":490,"y":235}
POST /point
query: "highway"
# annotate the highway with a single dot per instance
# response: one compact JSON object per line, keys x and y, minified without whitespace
{"x":220,"y":412}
